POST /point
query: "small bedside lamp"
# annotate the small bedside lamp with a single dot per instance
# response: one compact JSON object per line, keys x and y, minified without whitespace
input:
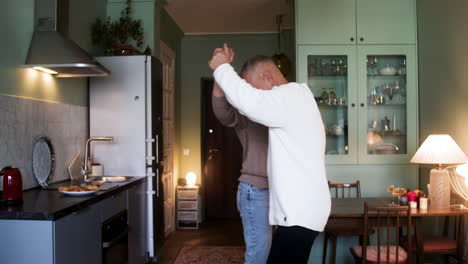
{"x":438,"y":150}
{"x":191,"y":178}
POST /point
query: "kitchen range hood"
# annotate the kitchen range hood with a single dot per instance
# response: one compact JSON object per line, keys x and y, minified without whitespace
{"x":54,"y":53}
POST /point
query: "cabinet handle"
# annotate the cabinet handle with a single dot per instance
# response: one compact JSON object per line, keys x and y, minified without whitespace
{"x":362,"y":104}
{"x":361,"y":39}
{"x":353,"y":105}
{"x":351,"y":39}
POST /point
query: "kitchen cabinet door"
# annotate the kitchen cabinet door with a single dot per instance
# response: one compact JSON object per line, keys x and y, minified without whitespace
{"x":137,"y":224}
{"x":330,"y":72}
{"x":388,"y":103}
{"x":386,"y":22}
{"x":77,"y":237}
{"x":326,"y":21}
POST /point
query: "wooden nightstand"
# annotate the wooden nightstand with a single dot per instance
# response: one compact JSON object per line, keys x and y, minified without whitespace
{"x":187,"y":207}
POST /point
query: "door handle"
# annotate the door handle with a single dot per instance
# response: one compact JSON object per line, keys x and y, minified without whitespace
{"x":157,"y":148}
{"x":157,"y":183}
{"x":213,"y":150}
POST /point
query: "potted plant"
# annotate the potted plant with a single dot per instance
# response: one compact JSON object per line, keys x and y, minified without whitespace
{"x":114,"y":36}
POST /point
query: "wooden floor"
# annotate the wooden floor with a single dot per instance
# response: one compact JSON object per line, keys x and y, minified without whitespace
{"x":218,"y":233}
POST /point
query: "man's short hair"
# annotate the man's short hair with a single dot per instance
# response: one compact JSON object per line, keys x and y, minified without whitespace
{"x":252,"y":62}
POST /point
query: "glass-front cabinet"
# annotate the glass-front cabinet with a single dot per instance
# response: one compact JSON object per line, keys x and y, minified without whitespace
{"x":367,"y":96}
{"x":330,"y":72}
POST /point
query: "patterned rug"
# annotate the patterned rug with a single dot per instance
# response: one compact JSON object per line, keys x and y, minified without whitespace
{"x":210,"y":255}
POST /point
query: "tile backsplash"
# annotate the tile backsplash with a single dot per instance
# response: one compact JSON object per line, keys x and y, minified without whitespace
{"x":23,"y":121}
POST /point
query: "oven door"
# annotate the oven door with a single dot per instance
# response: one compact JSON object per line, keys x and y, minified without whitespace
{"x":115,"y":239}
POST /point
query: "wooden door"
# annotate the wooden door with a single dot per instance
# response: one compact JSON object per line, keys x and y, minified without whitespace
{"x":326,"y":22}
{"x":221,"y":161}
{"x":386,"y":22}
{"x":168,"y":61}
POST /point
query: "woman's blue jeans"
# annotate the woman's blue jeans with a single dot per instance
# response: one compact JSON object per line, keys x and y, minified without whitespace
{"x":253,"y":205}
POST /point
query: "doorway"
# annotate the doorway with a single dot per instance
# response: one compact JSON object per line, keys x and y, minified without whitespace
{"x":221,"y":161}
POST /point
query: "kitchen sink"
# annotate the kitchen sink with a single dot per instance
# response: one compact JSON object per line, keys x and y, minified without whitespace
{"x":110,"y":179}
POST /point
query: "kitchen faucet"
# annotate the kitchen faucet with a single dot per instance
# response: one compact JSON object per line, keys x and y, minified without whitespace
{"x":85,"y":171}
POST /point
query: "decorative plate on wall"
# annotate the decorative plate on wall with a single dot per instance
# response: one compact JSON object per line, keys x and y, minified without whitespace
{"x":43,"y":161}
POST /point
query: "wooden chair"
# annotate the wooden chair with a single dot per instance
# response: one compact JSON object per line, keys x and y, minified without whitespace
{"x":390,"y":220}
{"x":332,"y":231}
{"x":446,"y":244}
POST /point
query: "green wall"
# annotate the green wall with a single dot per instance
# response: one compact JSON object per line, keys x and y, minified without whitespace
{"x":443,"y":67}
{"x":443,"y":79}
{"x":17,"y":20}
{"x":196,"y":51}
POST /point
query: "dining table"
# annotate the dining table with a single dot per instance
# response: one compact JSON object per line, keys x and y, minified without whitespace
{"x":349,"y":212}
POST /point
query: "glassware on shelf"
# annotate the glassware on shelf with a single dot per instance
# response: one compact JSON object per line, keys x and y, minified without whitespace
{"x":372,"y":63}
{"x":375,"y":96}
{"x":332,"y":97}
{"x":324,"y":68}
{"x":333,"y":69}
{"x":402,"y":69}
{"x":389,"y":90}
{"x":325,"y":98}
{"x":313,"y":68}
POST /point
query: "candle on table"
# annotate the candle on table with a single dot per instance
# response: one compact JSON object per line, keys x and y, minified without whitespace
{"x":423,"y":203}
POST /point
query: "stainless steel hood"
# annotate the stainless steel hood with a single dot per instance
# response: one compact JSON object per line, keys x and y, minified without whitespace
{"x":52,"y":52}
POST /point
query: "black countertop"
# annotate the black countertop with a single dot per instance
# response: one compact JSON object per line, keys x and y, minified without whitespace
{"x":50,"y":204}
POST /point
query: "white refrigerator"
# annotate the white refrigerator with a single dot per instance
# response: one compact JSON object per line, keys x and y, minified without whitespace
{"x":127,"y":105}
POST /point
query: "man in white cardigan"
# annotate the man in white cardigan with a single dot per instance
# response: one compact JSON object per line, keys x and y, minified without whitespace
{"x":299,"y":195}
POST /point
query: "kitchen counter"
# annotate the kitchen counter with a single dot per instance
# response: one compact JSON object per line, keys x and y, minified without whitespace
{"x":50,"y":204}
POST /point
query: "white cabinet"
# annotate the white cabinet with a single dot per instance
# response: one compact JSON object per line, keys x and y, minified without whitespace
{"x":187,"y":207}
{"x":356,"y":22}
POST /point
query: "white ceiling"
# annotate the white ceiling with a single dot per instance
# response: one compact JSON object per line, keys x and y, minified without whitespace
{"x":230,"y":16}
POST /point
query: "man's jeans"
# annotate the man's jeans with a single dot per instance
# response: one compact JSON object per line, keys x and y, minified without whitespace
{"x":253,"y":205}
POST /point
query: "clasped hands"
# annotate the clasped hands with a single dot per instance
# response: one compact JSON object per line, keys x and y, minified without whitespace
{"x":221,"y":56}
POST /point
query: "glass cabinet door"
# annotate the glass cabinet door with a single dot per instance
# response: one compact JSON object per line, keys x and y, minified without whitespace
{"x":388,"y":104}
{"x":330,"y":72}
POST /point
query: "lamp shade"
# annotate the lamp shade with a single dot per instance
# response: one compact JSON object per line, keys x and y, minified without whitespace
{"x":439,"y":149}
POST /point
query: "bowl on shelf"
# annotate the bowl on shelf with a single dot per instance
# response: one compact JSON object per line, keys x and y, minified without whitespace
{"x":388,"y":70}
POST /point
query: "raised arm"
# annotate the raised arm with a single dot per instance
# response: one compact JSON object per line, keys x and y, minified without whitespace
{"x":224,"y":112}
{"x":267,"y":107}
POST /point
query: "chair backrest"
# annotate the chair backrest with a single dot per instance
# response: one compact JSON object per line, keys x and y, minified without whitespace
{"x":386,"y":221}
{"x":344,"y":190}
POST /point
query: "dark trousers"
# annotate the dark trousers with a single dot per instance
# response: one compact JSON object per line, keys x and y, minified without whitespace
{"x":291,"y":244}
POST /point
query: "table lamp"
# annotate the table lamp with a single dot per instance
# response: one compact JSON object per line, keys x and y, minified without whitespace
{"x":439,"y":150}
{"x":191,"y":178}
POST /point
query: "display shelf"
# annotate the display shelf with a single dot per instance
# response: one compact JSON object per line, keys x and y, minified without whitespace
{"x":386,"y":105}
{"x":332,"y":106}
{"x":396,"y":76}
